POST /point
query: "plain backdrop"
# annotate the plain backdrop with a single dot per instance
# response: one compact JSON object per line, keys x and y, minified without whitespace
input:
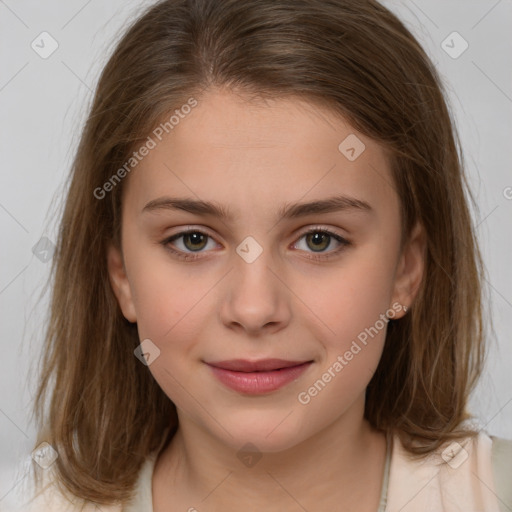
{"x":43,"y":103}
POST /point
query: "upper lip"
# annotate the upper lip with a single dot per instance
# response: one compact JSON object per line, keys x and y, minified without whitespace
{"x":243,"y":365}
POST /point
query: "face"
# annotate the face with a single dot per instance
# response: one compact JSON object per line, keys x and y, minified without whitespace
{"x":270,"y":279}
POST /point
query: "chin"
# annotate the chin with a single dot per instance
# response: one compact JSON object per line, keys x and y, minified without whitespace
{"x":273,"y":432}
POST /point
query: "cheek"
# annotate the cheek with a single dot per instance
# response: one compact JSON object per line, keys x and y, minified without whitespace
{"x":350,"y":307}
{"x":351,"y":298}
{"x":351,"y":356}
{"x":165,"y":295}
{"x":170,"y":308}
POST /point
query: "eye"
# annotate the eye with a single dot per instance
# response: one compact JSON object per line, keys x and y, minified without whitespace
{"x":320,"y":239}
{"x":193,"y":240}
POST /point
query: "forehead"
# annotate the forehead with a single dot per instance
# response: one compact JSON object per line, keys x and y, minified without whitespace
{"x":261,"y":154}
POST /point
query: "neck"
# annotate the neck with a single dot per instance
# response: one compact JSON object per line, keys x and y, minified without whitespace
{"x":342,"y":463}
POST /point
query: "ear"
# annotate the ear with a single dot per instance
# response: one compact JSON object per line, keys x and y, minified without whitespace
{"x":120,"y":283}
{"x":410,"y":269}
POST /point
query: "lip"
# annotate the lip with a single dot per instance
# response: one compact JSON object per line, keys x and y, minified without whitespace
{"x":258,"y":377}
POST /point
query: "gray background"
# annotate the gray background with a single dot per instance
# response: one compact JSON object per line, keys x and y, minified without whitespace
{"x":43,"y":103}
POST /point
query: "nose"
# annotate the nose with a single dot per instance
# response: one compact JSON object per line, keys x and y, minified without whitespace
{"x":254,"y":298}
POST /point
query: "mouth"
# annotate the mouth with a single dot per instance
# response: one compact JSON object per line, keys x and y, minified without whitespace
{"x":258,"y":377}
{"x":263,"y":365}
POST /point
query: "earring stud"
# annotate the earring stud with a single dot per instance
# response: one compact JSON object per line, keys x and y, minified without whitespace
{"x":405,"y":309}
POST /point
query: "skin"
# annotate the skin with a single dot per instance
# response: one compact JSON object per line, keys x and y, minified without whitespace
{"x":253,"y":157}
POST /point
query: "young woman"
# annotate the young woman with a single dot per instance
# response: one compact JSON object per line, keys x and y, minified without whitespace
{"x":267,"y":288}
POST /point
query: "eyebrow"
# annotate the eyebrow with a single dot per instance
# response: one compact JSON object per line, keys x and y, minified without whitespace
{"x":287,"y":211}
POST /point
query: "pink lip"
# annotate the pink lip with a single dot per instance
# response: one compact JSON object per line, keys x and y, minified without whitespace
{"x":257,"y":377}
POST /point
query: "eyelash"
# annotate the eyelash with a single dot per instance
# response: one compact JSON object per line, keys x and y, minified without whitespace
{"x":316,"y":257}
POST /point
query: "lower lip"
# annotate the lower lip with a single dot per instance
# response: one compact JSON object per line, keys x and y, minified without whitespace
{"x":256,"y":383}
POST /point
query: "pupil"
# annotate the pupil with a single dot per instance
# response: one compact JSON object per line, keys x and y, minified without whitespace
{"x":318,"y":238}
{"x":195,"y":238}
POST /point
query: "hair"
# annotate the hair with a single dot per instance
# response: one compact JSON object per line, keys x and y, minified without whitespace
{"x":95,"y":403}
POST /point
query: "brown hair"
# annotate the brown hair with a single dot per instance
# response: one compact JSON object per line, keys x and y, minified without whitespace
{"x":106,"y":413}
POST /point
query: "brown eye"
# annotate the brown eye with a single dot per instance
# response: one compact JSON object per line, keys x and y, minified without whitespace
{"x":189,"y":245}
{"x":195,"y":241}
{"x":318,"y":240}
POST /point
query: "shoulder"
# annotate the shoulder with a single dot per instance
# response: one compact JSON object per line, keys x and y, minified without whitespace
{"x":502,"y":470}
{"x":143,"y":496}
{"x":459,"y":475}
{"x":44,"y":494}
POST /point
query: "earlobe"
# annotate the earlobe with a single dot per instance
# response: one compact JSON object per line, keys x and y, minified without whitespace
{"x":410,"y":268}
{"x":120,"y":284}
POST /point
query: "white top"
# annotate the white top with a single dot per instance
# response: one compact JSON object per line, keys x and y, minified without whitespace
{"x":473,"y":476}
